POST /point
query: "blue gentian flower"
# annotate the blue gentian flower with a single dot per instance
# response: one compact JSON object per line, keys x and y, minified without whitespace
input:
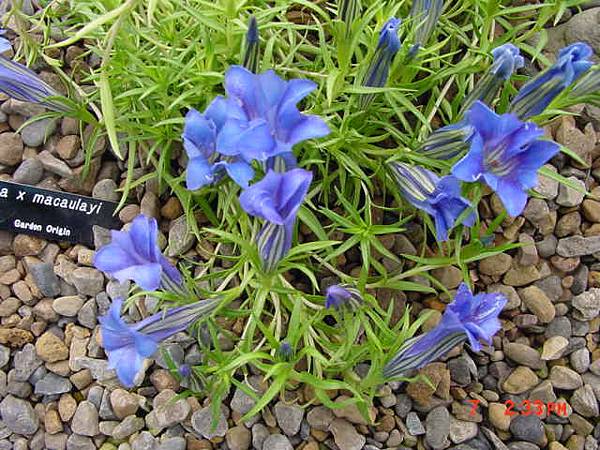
{"x":200,"y":134}
{"x":257,"y":120}
{"x":134,"y":255}
{"x":588,"y":84}
{"x":276,"y":199}
{"x":252,"y":49}
{"x":424,"y":16}
{"x":340,"y":296}
{"x":468,"y":317}
{"x":20,"y":83}
{"x":268,"y":98}
{"x":127,"y":345}
{"x":452,"y":140}
{"x":506,"y":153}
{"x":379,"y":67}
{"x":533,"y":98}
{"x":507,"y":59}
{"x":439,"y":197}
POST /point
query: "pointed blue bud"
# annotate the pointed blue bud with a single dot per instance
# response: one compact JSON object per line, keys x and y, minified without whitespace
{"x":533,"y":98}
{"x":285,"y":351}
{"x":251,"y":58}
{"x":447,"y":142}
{"x":340,"y":296}
{"x":468,"y":317}
{"x":379,"y":68}
{"x":20,"y":83}
{"x":507,"y":59}
{"x":184,"y":370}
{"x":439,"y":197}
{"x":4,"y":43}
{"x":424,"y":16}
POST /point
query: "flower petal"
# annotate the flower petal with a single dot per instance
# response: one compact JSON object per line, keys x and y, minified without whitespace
{"x":199,"y":173}
{"x":513,"y":197}
{"x":241,"y":172}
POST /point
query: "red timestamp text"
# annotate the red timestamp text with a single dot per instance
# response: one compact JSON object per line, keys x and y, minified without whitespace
{"x":527,"y":408}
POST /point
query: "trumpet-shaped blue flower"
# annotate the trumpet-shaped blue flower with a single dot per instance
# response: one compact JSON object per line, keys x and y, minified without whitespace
{"x":276,"y":199}
{"x":127,"y":345}
{"x":257,"y":120}
{"x":252,"y":49}
{"x":439,"y":197}
{"x":468,"y":317}
{"x":424,"y":15}
{"x":134,"y":255}
{"x":533,"y":98}
{"x":506,"y":153}
{"x":268,"y":98}
{"x":507,"y":59}
{"x":340,"y":296}
{"x":20,"y":83}
{"x":379,"y":68}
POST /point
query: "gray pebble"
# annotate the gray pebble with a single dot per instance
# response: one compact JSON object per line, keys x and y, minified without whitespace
{"x":277,"y":442}
{"x":19,"y":415}
{"x":437,"y":425}
{"x":26,"y":361}
{"x":128,"y":426}
{"x":580,"y":360}
{"x":52,"y":384}
{"x":202,"y":423}
{"x":36,"y":133}
{"x":30,"y":171}
{"x":45,"y":279}
{"x":77,"y":442}
{"x":289,"y":417}
{"x":85,"y":420}
{"x":414,"y":425}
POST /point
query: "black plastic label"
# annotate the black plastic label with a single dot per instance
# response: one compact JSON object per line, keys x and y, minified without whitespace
{"x":53,"y":215}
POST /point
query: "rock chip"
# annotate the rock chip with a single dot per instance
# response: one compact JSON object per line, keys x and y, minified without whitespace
{"x":524,"y":355}
{"x":52,"y":384}
{"x":180,"y":237}
{"x":68,"y":306}
{"x":521,"y":276}
{"x":538,"y":303}
{"x":319,"y":418}
{"x":202,"y":423}
{"x":554,"y":348}
{"x":570,"y":197}
{"x":573,"y":246}
{"x":19,"y":416}
{"x":587,"y":304}
{"x":528,"y":428}
{"x":280,"y":442}
{"x":564,"y":378}
{"x":289,"y":417}
{"x":496,"y":265}
{"x":584,"y":401}
{"x":168,"y":411}
{"x":50,"y":348}
{"x":461,"y":431}
{"x":11,"y":149}
{"x":238,"y":438}
{"x":36,"y":133}
{"x":344,"y":435}
{"x":85,"y":419}
{"x":30,"y":171}
{"x":128,"y":426}
{"x":520,"y":380}
{"x":414,"y":425}
{"x":45,"y":279}
{"x":437,"y":424}
{"x":498,"y":416}
{"x":88,"y":281}
{"x":123,"y":403}
{"x":25,"y":362}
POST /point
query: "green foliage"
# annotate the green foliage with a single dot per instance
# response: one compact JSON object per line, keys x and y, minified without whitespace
{"x":161,"y":57}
